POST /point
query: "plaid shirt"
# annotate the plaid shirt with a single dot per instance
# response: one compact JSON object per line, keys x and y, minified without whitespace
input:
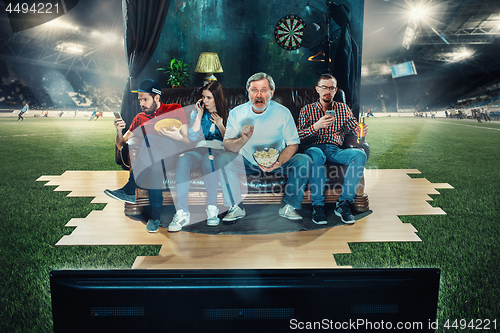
{"x":334,"y":134}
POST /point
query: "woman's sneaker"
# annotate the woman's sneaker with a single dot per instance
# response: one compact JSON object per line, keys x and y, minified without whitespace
{"x":289,"y":212}
{"x":180,"y":219}
{"x":234,"y":213}
{"x":212,"y":218}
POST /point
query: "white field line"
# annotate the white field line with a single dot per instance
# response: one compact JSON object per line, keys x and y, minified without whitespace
{"x":51,"y":134}
{"x":445,"y":122}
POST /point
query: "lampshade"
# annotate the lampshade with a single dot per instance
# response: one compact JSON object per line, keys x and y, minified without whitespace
{"x":209,"y":63}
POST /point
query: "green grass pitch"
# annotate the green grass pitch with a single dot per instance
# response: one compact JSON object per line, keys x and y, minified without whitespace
{"x":464,"y":244}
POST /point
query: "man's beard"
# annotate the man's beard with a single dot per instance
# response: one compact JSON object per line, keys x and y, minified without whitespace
{"x":263,"y":108}
{"x":151,"y":110}
{"x":327,"y":98}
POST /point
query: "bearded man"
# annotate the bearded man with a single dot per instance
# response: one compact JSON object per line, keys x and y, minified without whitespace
{"x":158,"y":151}
{"x":322,"y":128}
{"x":261,"y":123}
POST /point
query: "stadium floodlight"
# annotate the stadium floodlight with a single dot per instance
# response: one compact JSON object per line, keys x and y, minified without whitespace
{"x":365,"y":71}
{"x":73,"y":48}
{"x":411,"y":31}
{"x":110,"y":38}
{"x":58,"y":24}
{"x":418,"y":13}
{"x":107,"y":37}
{"x":461,"y":54}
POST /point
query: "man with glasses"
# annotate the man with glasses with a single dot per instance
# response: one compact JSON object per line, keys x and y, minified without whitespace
{"x":322,"y":127}
{"x":258,"y":124}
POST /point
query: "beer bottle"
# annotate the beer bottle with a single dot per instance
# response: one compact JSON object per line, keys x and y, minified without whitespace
{"x":361,"y":132}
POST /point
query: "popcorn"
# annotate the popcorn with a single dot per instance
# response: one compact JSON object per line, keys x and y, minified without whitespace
{"x":266,"y":157}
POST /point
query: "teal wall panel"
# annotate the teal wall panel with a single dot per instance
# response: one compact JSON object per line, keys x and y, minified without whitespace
{"x":242,"y":33}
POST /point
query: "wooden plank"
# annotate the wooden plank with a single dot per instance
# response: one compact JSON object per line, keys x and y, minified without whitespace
{"x":392,"y":193}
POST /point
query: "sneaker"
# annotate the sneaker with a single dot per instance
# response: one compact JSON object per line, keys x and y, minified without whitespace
{"x":234,"y":213}
{"x":289,"y":212}
{"x":319,"y":216}
{"x":343,"y":210}
{"x":120,"y":195}
{"x":212,"y":219}
{"x":180,"y":219}
{"x":152,"y":225}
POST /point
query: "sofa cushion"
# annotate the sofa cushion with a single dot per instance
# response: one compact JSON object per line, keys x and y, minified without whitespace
{"x":294,"y":99}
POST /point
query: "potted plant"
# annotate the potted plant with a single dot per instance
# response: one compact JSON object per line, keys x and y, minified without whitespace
{"x":177,"y":74}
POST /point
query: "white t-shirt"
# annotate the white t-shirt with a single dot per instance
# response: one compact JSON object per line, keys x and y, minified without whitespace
{"x":274,"y":128}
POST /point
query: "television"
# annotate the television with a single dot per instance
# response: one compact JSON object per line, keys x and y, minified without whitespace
{"x":403,"y":69}
{"x":244,"y":300}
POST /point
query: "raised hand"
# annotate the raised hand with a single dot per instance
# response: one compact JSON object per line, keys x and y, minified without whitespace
{"x":246,"y":132}
{"x":199,"y":107}
{"x":119,"y":124}
{"x":215,"y":118}
{"x":323,"y":122}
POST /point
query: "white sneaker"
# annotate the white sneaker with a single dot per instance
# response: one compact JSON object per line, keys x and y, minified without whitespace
{"x":180,"y":219}
{"x":289,"y":212}
{"x":212,"y":219}
{"x":234,"y":213}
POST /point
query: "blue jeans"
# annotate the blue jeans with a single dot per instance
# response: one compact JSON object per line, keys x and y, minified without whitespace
{"x":192,"y":160}
{"x":329,"y":153}
{"x":297,"y":169}
{"x":156,"y":156}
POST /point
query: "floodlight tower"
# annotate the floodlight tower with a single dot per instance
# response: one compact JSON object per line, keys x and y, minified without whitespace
{"x":416,"y":14}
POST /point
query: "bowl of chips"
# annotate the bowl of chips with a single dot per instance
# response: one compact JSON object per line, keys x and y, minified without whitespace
{"x":168,"y":124}
{"x":266,"y":157}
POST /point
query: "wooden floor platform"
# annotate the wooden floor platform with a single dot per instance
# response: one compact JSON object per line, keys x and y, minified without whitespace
{"x":392,"y":193}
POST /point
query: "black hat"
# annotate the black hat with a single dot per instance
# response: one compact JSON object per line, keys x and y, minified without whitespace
{"x":314,"y":33}
{"x":149,"y":86}
{"x":341,"y":14}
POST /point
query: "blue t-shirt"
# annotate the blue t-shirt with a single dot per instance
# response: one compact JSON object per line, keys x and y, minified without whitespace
{"x":274,"y":128}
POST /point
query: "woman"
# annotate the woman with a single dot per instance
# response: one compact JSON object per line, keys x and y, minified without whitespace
{"x":207,"y":129}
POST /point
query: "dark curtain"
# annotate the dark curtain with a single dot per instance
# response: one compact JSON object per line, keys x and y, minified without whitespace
{"x":346,"y":68}
{"x":346,"y":61}
{"x":142,"y":24}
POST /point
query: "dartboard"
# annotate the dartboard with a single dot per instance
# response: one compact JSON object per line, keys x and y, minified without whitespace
{"x":289,"y":31}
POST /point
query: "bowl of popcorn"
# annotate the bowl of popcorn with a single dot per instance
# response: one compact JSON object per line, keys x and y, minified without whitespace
{"x":168,"y":124}
{"x":266,"y":157}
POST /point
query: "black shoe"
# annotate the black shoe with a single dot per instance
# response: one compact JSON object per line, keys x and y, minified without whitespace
{"x":343,"y":210}
{"x":319,"y":216}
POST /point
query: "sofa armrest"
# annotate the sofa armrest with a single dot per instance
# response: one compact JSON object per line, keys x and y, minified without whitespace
{"x":122,"y":156}
{"x":351,"y":141}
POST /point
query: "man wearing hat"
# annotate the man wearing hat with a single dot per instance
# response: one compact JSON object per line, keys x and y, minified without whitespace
{"x":159,"y":148}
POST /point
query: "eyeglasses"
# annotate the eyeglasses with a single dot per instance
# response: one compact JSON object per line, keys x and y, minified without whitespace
{"x":332,"y":88}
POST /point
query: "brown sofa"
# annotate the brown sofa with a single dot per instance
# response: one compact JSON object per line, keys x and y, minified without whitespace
{"x":260,"y":189}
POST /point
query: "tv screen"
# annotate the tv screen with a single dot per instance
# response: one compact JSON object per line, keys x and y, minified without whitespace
{"x":404,"y":69}
{"x":244,"y":300}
